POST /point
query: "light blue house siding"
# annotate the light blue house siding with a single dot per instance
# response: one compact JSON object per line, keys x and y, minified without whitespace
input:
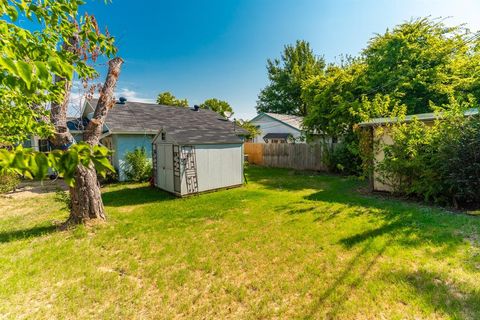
{"x":123,"y":143}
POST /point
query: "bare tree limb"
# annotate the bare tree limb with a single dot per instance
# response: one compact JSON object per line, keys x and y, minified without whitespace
{"x":58,"y":111}
{"x":105,"y":102}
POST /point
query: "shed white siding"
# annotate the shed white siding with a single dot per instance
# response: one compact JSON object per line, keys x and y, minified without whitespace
{"x":217,"y":166}
{"x":267,"y":125}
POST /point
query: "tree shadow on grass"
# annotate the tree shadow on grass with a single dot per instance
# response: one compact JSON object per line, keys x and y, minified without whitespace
{"x":358,"y":267}
{"x":409,"y":224}
{"x":37,"y":231}
{"x":391,"y":222}
{"x":128,"y":196}
{"x":459,"y":301}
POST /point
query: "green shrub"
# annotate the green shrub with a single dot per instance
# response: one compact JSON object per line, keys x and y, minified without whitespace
{"x":137,"y":165}
{"x":344,"y":157}
{"x":8,"y":181}
{"x":439,"y":163}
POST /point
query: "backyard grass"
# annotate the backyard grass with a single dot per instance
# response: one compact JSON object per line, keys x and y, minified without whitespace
{"x":287,"y":245}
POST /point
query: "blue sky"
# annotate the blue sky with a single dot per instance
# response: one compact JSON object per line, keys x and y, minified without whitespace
{"x":199,"y":49}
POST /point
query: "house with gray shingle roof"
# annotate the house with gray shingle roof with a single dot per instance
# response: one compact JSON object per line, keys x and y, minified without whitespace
{"x":278,"y":128}
{"x":131,"y":125}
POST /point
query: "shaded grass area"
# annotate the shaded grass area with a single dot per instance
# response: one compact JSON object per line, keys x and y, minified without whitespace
{"x":287,"y":245}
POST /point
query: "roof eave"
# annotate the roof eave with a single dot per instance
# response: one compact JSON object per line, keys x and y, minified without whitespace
{"x":265,"y":114}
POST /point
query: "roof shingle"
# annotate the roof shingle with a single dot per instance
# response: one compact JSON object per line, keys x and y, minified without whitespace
{"x":185,"y":125}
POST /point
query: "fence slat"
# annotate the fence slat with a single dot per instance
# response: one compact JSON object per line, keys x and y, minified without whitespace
{"x":285,"y":155}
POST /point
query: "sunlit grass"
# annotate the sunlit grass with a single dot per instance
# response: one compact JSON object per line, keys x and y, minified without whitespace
{"x":286,"y":245}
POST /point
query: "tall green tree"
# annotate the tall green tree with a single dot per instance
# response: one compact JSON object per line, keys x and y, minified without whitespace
{"x":168,"y":99}
{"x":286,"y":75}
{"x":410,"y":69}
{"x":219,"y":106}
{"x":421,"y":62}
{"x":36,"y":72}
{"x":333,"y":96}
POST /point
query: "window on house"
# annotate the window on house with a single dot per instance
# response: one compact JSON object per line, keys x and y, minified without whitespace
{"x":27,"y":144}
{"x":163,"y":135}
{"x":44,"y":145}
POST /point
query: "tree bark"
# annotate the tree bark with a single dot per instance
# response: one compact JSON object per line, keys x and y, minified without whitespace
{"x":105,"y":102}
{"x":62,"y":138}
{"x":87,"y":204}
{"x":86,"y":198}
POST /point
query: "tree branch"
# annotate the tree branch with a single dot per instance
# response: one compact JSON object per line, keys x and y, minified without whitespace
{"x":105,"y":103}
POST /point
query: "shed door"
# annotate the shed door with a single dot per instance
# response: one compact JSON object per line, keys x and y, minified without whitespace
{"x":165,"y":167}
{"x":169,"y":167}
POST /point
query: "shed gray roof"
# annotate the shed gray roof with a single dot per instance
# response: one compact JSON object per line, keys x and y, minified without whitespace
{"x":421,"y":117}
{"x":184,"y":124}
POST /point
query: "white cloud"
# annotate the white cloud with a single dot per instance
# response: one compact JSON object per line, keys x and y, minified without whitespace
{"x":131,"y":95}
{"x":78,"y":93}
{"x":460,"y":11}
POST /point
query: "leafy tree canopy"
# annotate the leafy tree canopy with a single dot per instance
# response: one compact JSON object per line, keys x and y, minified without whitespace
{"x":30,"y":60}
{"x":219,"y":106}
{"x":422,"y":62}
{"x":410,"y":69}
{"x":168,"y":99}
{"x":36,"y":69}
{"x":286,"y":75}
{"x":247,"y":125}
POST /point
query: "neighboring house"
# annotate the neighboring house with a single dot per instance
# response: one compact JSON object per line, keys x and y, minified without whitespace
{"x":38,"y":144}
{"x":278,"y":128}
{"x":131,"y":125}
{"x":197,"y":158}
{"x":381,"y":135}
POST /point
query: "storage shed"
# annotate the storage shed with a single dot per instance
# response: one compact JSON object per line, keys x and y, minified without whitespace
{"x":381,"y":135}
{"x":192,"y":160}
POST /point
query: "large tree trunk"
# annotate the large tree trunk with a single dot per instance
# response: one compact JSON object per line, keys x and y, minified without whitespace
{"x":86,"y":197}
{"x":87,"y":204}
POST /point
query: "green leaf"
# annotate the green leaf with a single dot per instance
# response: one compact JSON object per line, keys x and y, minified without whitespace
{"x":102,"y":164}
{"x":42,"y":165}
{"x":42,"y":71}
{"x":54,"y":65}
{"x":25,"y":71}
{"x":12,"y":13}
{"x":9,"y":65}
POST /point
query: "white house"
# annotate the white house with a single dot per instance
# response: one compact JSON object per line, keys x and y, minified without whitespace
{"x":278,"y":128}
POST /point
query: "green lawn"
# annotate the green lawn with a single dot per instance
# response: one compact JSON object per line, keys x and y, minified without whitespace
{"x":286,"y":245}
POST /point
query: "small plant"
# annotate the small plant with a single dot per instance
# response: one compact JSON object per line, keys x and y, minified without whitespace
{"x":137,"y":165}
{"x":9,"y":181}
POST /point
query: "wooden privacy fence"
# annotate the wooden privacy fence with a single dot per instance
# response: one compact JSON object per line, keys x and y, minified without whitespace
{"x":299,"y":156}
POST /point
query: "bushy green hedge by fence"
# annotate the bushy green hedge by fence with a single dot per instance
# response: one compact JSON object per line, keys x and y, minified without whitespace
{"x":440,"y":163}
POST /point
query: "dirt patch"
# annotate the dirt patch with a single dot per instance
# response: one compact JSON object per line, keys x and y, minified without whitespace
{"x":28,"y":189}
